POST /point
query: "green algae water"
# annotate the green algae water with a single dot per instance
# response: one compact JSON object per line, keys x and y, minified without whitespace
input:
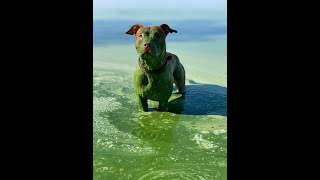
{"x":188,"y":144}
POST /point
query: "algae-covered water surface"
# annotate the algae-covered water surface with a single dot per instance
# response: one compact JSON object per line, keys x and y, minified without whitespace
{"x":129,"y":144}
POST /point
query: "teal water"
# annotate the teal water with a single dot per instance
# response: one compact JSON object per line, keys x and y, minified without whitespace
{"x":129,"y":144}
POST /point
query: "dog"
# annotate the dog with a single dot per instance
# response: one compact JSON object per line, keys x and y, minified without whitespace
{"x":157,"y":69}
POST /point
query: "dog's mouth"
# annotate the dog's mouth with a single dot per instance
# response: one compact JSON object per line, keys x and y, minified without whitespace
{"x":147,"y":50}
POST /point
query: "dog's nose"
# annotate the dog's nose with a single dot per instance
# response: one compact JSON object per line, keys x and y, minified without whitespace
{"x":146,"y":45}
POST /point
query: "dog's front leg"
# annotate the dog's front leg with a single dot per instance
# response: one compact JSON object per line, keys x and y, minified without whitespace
{"x":143,"y":103}
{"x":163,"y":106}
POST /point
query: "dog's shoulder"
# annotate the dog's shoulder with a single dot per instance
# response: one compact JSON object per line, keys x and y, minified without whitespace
{"x":171,"y":56}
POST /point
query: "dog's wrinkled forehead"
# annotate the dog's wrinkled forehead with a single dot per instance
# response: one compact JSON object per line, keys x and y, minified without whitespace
{"x":150,"y":30}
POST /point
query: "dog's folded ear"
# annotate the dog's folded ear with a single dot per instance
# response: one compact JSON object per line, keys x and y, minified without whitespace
{"x":134,"y":29}
{"x":167,"y":29}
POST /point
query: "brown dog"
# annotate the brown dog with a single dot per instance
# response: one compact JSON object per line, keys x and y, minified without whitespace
{"x":157,"y":69}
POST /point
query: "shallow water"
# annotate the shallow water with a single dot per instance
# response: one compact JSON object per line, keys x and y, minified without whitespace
{"x":188,"y":144}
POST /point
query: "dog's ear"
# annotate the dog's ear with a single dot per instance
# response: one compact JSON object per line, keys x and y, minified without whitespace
{"x":134,"y":29}
{"x":167,"y":29}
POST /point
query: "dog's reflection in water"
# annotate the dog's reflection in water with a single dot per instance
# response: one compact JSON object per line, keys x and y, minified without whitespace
{"x":159,"y":125}
{"x":156,"y":127}
{"x":158,"y":130}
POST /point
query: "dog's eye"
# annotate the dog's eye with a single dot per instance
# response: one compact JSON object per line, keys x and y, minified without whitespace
{"x":140,"y":35}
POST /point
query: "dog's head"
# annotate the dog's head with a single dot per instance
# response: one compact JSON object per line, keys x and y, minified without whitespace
{"x":150,"y":40}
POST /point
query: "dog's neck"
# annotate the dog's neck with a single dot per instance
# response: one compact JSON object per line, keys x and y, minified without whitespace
{"x":145,"y":66}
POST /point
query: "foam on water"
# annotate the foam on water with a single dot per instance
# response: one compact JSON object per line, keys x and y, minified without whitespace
{"x":183,"y":172}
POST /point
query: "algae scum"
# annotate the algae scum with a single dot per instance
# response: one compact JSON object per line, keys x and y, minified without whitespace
{"x":129,"y":144}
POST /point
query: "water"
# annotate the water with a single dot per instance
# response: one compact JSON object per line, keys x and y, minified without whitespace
{"x":110,"y":32}
{"x":129,"y":144}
